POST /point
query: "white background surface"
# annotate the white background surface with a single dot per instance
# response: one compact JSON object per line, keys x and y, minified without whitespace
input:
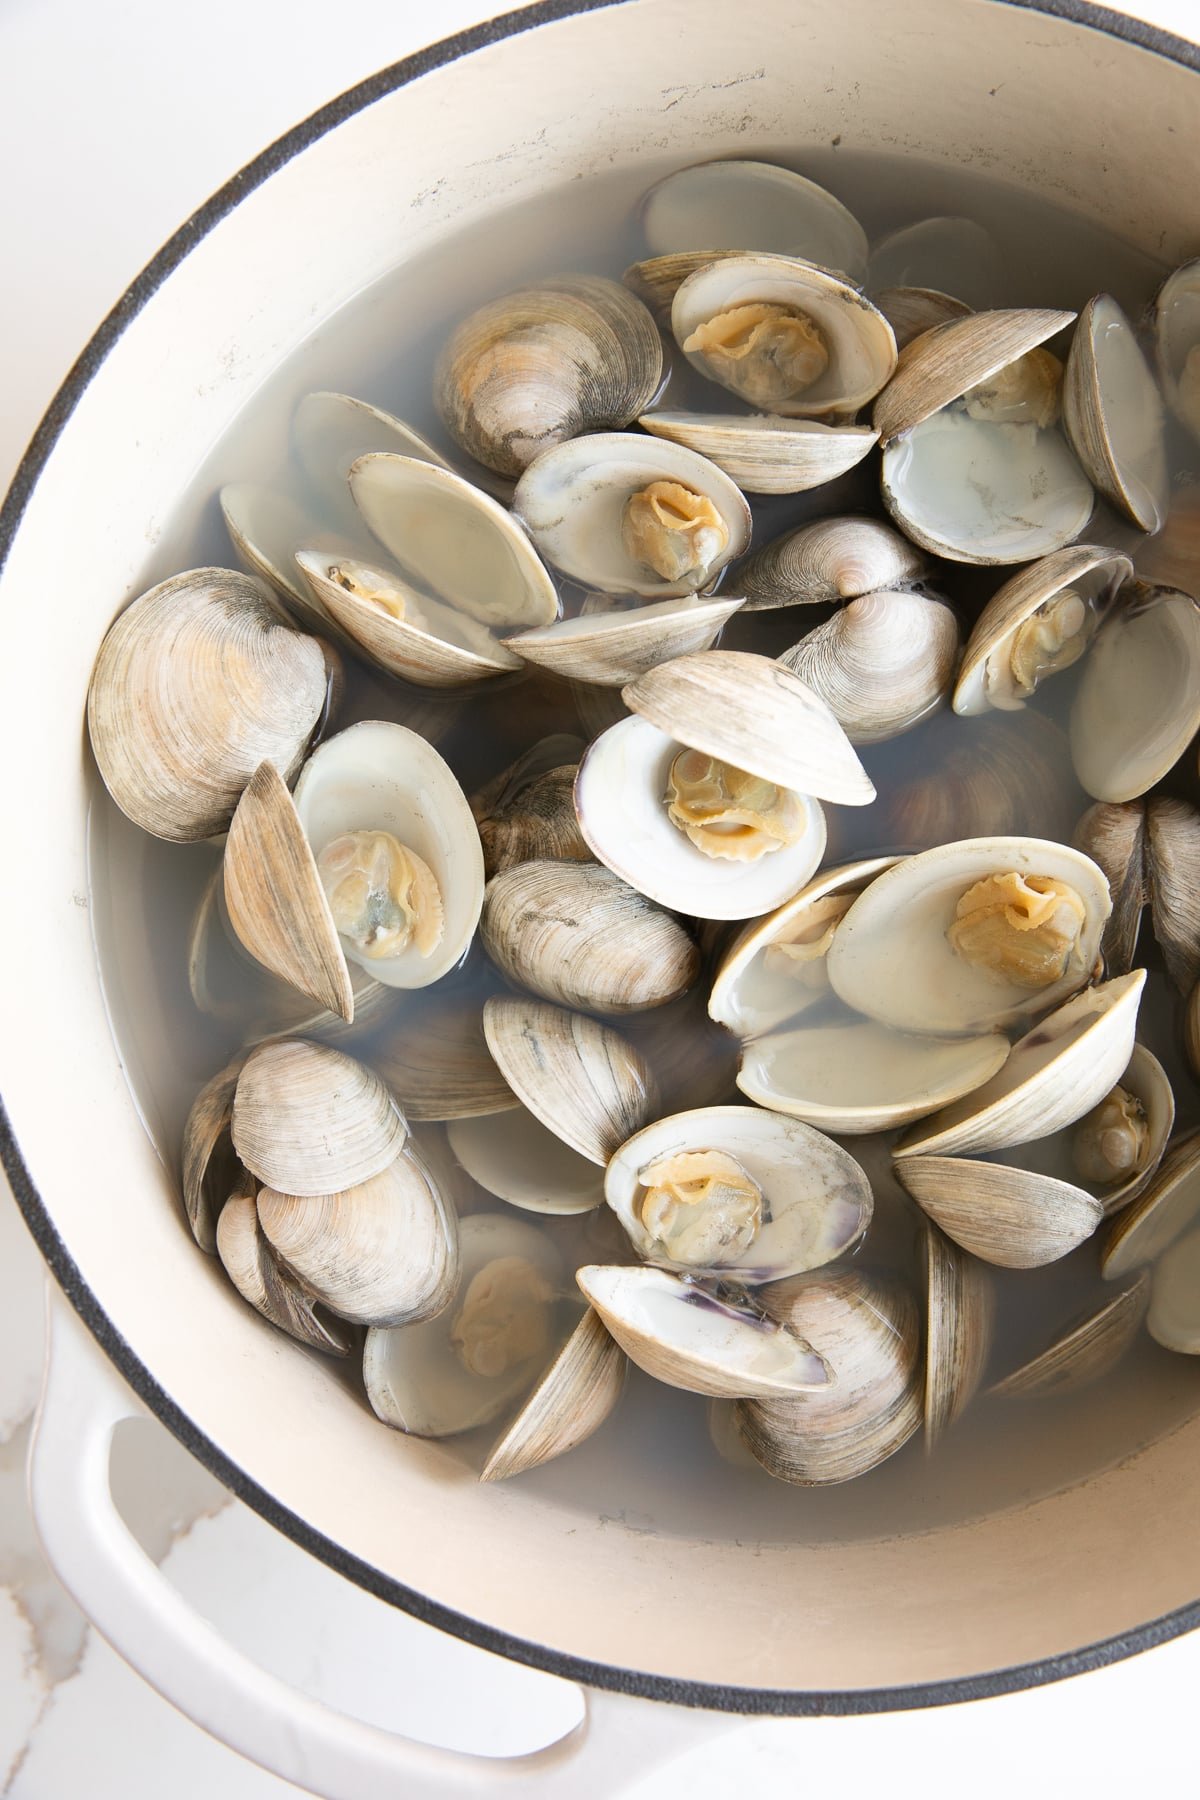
{"x":116,"y":120}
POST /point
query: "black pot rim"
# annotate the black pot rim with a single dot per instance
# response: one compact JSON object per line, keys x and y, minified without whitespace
{"x":779,"y":1702}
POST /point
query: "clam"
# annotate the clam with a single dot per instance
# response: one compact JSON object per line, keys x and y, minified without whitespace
{"x":882,"y":663}
{"x":597,"y":707}
{"x":613,"y":647}
{"x":540,"y":366}
{"x":571,"y":1401}
{"x":913,"y":310}
{"x":516,"y":1158}
{"x":483,"y":1350}
{"x":331,"y":431}
{"x":827,"y":561}
{"x":1113,"y":414}
{"x":971,"y":935}
{"x":577,"y":934}
{"x":961,"y":1305}
{"x":737,"y":1193}
{"x":266,"y":529}
{"x":1177,"y":343}
{"x":765,"y":454}
{"x":210,"y":1164}
{"x":1116,"y":1148}
{"x":1113,"y":834}
{"x":1173,"y":879}
{"x":197,"y":683}
{"x":1040,"y":621}
{"x":1166,"y":1208}
{"x":703,"y":1342}
{"x":990,"y":361}
{"x":1055,"y":1074}
{"x":308,"y":1120}
{"x":1000,"y":1214}
{"x":1138,"y":703}
{"x":738,"y":205}
{"x":527,"y":812}
{"x":583,"y":1080}
{"x":632,"y":515}
{"x":1084,"y":1353}
{"x":383,"y":1252}
{"x":251,"y":1266}
{"x":691,"y":831}
{"x":944,"y":252}
{"x":1004,"y":776}
{"x":436,"y":1061}
{"x":785,"y":335}
{"x":1173,"y":1319}
{"x":656,"y":279}
{"x":868,"y":1332}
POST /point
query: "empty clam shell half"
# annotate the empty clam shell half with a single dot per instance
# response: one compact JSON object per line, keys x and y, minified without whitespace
{"x":892,"y":957}
{"x":611,"y":648}
{"x":863,"y":1077}
{"x":331,"y":431}
{"x":765,"y":454}
{"x":961,"y":1303}
{"x":271,"y":1290}
{"x":1177,"y":341}
{"x":690,"y":1338}
{"x":308,"y":1120}
{"x":868,"y":1331}
{"x":504,"y":1324}
{"x":583,"y":1080}
{"x":1054,"y":1075}
{"x":789,"y":1200}
{"x":577,"y":934}
{"x":738,"y":205}
{"x":574,"y":500}
{"x":945,"y":252}
{"x":197,"y":683}
{"x":1167,"y":1206}
{"x":518,"y":1159}
{"x":210,"y":1163}
{"x":882,"y":663}
{"x":621,"y":797}
{"x":827,"y":561}
{"x":1113,"y":414}
{"x":1084,"y":1353}
{"x":1138,"y":703}
{"x":912,"y":310}
{"x":752,"y":712}
{"x":858,"y":351}
{"x":571,"y":1401}
{"x":946,"y":363}
{"x":1174,"y":1317}
{"x":1038,"y":622}
{"x":1002,"y":1215}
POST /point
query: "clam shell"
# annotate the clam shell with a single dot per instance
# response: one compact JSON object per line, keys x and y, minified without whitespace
{"x":266,"y":529}
{"x":250,"y":1264}
{"x":515,"y":1157}
{"x":1002,"y":1215}
{"x":620,"y":799}
{"x":611,"y":648}
{"x":693,"y":1060}
{"x":331,"y":431}
{"x":546,"y":756}
{"x":944,"y":252}
{"x":1174,"y":1318}
{"x":862,"y":350}
{"x":1164,"y":1210}
{"x":1054,"y":1075}
{"x":827,"y":561}
{"x":210,"y":1164}
{"x":571,"y":1401}
{"x":765,"y":454}
{"x":1113,"y":414}
{"x":436,"y":1061}
{"x":740,"y":205}
{"x":527,"y":813}
{"x":961,"y":1305}
{"x":576,"y":934}
{"x":1146,"y":1079}
{"x":1138,"y":703}
{"x":196,"y":684}
{"x":1085,"y":1353}
{"x":382,"y":1253}
{"x":691,"y":1339}
{"x":1191,"y":1031}
{"x":1176,"y":317}
{"x":757,"y":715}
{"x":945,"y":363}
{"x":817,"y":1200}
{"x":308,"y":1120}
{"x":1113,"y":834}
{"x":583,"y":1080}
{"x":656,"y":279}
{"x":881,"y":664}
{"x":1008,"y":775}
{"x":913,"y":310}
{"x":1173,"y":878}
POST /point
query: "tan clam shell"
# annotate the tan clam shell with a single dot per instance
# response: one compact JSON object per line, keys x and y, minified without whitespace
{"x":308,"y":1120}
{"x":829,"y":560}
{"x":656,"y":279}
{"x":266,"y":529}
{"x":868,"y":1331}
{"x":882,"y":663}
{"x":527,"y":812}
{"x":1191,"y":1030}
{"x":612,"y":648}
{"x":753,"y":713}
{"x":576,"y":934}
{"x":765,"y":454}
{"x":197,"y":683}
{"x":250,"y":1264}
{"x":1164,"y":1210}
{"x":384,"y":1252}
{"x":690,"y":1339}
{"x":274,"y":896}
{"x":1128,"y":466}
{"x":210,"y":1163}
{"x":942,"y":365}
{"x":531,"y":369}
{"x":1005,"y":1216}
{"x":1018,"y":599}
{"x":961,"y":1301}
{"x":1113,"y":834}
{"x":1054,"y":1075}
{"x":571,"y":1401}
{"x":597,"y":707}
{"x":581,"y":1079}
{"x":436,"y":1061}
{"x":1084,"y":1353}
{"x":913,"y":310}
{"x":1173,"y":880}
{"x":1137,"y":706}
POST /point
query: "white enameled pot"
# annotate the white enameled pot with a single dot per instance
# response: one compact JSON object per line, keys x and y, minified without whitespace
{"x":1068,"y":103}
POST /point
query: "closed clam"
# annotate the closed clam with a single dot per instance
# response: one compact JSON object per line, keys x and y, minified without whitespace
{"x":270,"y":1289}
{"x":740,"y":205}
{"x":1113,"y":414}
{"x":540,"y":366}
{"x":1138,"y":703}
{"x":308,"y":1120}
{"x":827,"y":561}
{"x":527,"y":812}
{"x":881,"y":663}
{"x":1173,"y":880}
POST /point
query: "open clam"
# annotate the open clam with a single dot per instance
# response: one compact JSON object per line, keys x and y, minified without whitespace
{"x":765,"y":454}
{"x":1138,"y":703}
{"x":1113,"y":414}
{"x":738,"y":205}
{"x":827,"y":561}
{"x":882,"y":663}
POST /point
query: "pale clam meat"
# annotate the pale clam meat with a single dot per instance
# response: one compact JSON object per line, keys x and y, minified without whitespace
{"x":739,"y":205}
{"x":1138,"y":703}
{"x":583,"y":1080}
{"x":882,"y":663}
{"x":309,"y":1120}
{"x":967,"y":360}
{"x":827,"y":561}
{"x":614,"y":647}
{"x":738,"y":1193}
{"x":518,"y":1159}
{"x":1084,"y":1353}
{"x":1113,"y":414}
{"x":765,"y":454}
{"x":960,"y":1320}
{"x":572,"y":1400}
{"x":251,"y":1266}
{"x":1002,"y":1215}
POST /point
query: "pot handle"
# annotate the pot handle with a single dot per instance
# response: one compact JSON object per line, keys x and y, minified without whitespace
{"x":153,"y":1627}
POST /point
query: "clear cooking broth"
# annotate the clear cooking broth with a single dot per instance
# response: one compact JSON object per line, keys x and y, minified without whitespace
{"x":653,"y":1464}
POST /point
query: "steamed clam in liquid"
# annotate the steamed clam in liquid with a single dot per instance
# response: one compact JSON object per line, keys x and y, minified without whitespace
{"x":693,"y":931}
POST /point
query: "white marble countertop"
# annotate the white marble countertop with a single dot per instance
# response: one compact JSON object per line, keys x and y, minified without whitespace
{"x":115,"y":122}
